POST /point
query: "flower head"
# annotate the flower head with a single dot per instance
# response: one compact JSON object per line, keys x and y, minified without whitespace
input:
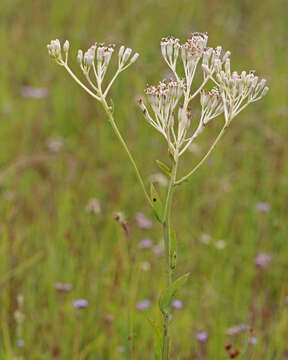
{"x":202,"y":336}
{"x":54,"y":49}
{"x":262,"y":260}
{"x":170,"y":51}
{"x":62,"y":287}
{"x":239,"y":90}
{"x":177,"y":304}
{"x":212,"y":105}
{"x":142,"y":221}
{"x":263,"y":207}
{"x":163,"y":99}
{"x":195,"y":46}
{"x":143,"y":305}
{"x":80,"y":303}
{"x":233,"y":92}
{"x":95,"y":60}
{"x":236,"y":329}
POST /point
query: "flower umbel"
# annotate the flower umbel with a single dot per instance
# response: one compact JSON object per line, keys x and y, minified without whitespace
{"x":95,"y":60}
{"x":170,"y":100}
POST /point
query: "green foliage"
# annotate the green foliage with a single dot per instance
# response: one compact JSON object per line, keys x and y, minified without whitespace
{"x":157,"y":339}
{"x":173,"y":249}
{"x":157,"y":204}
{"x":166,"y":298}
{"x":164,"y":168}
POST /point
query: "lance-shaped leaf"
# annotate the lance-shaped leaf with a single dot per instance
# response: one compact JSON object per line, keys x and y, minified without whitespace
{"x":157,"y":340}
{"x":173,"y":249}
{"x":167,"y":297}
{"x":164,"y":168}
{"x":157,"y":204}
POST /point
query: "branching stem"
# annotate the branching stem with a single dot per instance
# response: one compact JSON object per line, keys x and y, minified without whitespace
{"x":186,"y":177}
{"x":123,"y":143}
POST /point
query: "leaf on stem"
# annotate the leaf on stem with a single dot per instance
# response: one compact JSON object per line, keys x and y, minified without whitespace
{"x":173,"y":253}
{"x":157,"y":339}
{"x":164,"y":168}
{"x":157,"y":204}
{"x":167,"y":297}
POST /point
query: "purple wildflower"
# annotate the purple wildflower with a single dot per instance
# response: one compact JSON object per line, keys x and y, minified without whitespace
{"x":237,"y":329}
{"x":263,"y":207}
{"x":61,"y":287}
{"x":142,"y":221}
{"x":158,"y":249}
{"x":262,"y":260}
{"x":202,"y":336}
{"x":286,"y":299}
{"x":80,"y":303}
{"x":20,"y":343}
{"x":253,"y":340}
{"x":32,"y":92}
{"x":145,"y":244}
{"x":177,"y":304}
{"x":143,"y":305}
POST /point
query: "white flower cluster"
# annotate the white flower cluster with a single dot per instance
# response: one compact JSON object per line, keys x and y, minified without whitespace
{"x":232,"y":93}
{"x":55,"y":50}
{"x":96,"y":59}
{"x":102,"y":54}
{"x":163,"y":100}
{"x":212,"y":105}
{"x":239,"y":90}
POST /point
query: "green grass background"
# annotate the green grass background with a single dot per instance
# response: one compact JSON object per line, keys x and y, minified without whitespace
{"x":46,"y":234}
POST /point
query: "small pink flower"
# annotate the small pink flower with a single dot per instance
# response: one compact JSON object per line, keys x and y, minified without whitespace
{"x":202,"y":336}
{"x":32,"y":92}
{"x":262,"y":260}
{"x":237,"y":329}
{"x":145,"y":244}
{"x":143,"y":305}
{"x":253,"y":340}
{"x":61,"y":287}
{"x":142,"y":221}
{"x":263,"y":207}
{"x":80,"y":303}
{"x":177,"y":304}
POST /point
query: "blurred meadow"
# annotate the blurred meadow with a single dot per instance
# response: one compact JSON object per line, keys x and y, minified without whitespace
{"x":63,"y":176}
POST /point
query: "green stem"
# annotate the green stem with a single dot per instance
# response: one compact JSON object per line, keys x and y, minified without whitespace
{"x":101,"y":98}
{"x":122,"y":141}
{"x":166,"y":233}
{"x":186,"y":177}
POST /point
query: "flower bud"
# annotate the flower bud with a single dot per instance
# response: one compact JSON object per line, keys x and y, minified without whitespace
{"x":127,"y":54}
{"x":80,"y":56}
{"x":265,"y":91}
{"x":121,"y":52}
{"x":134,"y":57}
{"x":66,"y":46}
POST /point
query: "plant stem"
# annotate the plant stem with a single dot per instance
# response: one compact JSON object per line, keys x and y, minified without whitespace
{"x":123,"y":143}
{"x":166,"y":233}
{"x":186,"y":177}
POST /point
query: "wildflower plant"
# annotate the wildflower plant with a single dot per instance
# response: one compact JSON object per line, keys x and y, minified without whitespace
{"x":167,"y":108}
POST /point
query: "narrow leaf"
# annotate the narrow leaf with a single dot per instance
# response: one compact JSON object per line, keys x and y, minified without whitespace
{"x":157,"y":339}
{"x":164,"y":168}
{"x":167,"y":297}
{"x":157,"y":204}
{"x":173,"y":249}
